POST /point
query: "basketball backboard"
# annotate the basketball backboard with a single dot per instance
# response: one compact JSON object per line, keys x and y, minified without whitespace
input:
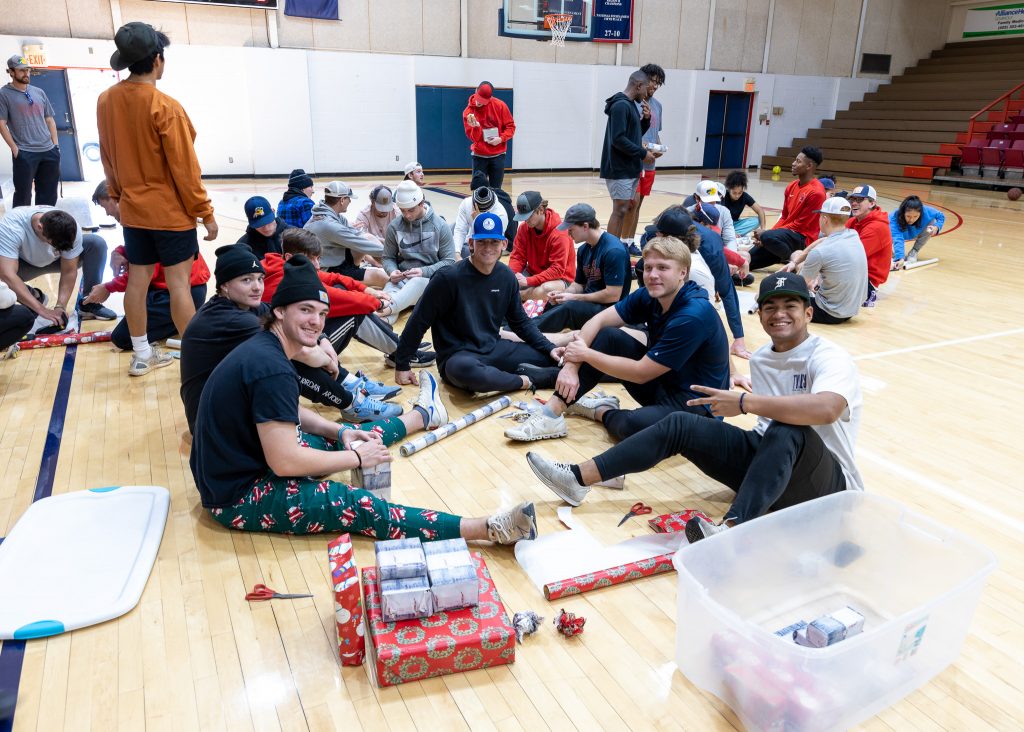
{"x":525,"y":18}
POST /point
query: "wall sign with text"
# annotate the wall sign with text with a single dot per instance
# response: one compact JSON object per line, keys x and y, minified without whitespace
{"x":995,"y":20}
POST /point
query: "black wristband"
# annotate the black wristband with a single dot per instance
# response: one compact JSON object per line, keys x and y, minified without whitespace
{"x":742,"y":410}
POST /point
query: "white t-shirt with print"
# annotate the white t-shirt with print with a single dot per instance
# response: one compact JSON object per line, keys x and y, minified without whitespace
{"x":815,"y":366}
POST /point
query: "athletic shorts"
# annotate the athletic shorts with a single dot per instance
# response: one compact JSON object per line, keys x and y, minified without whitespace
{"x":647,"y":182}
{"x":152,"y":246}
{"x":622,"y":189}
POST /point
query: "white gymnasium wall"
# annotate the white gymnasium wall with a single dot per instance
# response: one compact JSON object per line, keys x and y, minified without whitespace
{"x":265,"y":111}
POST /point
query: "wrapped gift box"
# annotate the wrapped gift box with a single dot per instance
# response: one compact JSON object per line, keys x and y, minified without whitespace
{"x":445,"y":643}
{"x":348,"y":605}
{"x":376,"y":480}
{"x":452,"y":574}
{"x":405,"y":599}
{"x":400,"y":559}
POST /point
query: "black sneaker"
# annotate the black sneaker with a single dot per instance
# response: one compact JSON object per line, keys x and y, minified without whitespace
{"x":39,"y":295}
{"x":543,"y":377}
{"x":96,"y":311}
{"x":634,"y":250}
{"x":699,"y":528}
{"x":421,"y":360}
{"x":743,"y":281}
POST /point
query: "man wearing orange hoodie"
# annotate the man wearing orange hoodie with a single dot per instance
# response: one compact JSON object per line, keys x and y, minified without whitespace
{"x":872,"y":225}
{"x":543,"y":258}
{"x":489,"y":127}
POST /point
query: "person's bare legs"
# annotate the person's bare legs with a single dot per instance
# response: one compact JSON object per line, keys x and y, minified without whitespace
{"x":619,"y":211}
{"x":178,"y":277}
{"x":139,"y":277}
{"x":632,"y":218}
{"x":541,"y":291}
{"x":375,"y":277}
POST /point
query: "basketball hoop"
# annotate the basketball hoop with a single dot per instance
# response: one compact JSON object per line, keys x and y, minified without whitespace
{"x":559,"y":24}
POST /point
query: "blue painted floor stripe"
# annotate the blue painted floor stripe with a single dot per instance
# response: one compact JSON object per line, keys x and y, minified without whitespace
{"x":12,"y":653}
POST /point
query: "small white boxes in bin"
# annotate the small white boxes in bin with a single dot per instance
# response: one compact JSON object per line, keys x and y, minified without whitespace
{"x":376,"y":480}
{"x":453,"y":580}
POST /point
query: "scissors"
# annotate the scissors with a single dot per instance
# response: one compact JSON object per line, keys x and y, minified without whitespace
{"x":638,"y":509}
{"x":262,"y":592}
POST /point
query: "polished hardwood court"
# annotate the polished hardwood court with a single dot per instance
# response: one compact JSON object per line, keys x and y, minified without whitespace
{"x":941,"y":433}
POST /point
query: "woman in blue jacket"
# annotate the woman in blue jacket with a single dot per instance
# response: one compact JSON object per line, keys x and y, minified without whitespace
{"x":912,"y":221}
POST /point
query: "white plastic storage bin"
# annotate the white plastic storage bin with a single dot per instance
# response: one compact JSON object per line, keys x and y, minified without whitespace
{"x":916,"y":582}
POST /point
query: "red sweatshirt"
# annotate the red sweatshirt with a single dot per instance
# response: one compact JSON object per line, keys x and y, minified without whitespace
{"x":799,"y":209}
{"x":548,"y":256}
{"x":876,"y":237}
{"x":352,"y":300}
{"x":200,"y":275}
{"x":494,"y":114}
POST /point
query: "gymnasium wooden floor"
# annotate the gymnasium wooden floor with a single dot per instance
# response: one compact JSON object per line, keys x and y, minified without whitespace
{"x":941,"y":376}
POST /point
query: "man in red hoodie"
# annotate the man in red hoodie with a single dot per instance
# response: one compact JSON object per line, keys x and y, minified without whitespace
{"x":798,"y":225}
{"x":489,"y":126}
{"x":872,"y":225}
{"x":543,"y":258}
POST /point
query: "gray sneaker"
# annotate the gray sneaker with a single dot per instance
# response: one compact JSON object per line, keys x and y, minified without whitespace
{"x":558,"y":477}
{"x":539,"y":426}
{"x":698,"y":528}
{"x":157,"y":360}
{"x":911,"y":259}
{"x":588,"y":405}
{"x":430,"y":400}
{"x":513,"y":525}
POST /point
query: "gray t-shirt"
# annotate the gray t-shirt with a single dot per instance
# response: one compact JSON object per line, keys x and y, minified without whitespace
{"x":19,"y":241}
{"x":841,"y":264}
{"x":27,"y":121}
{"x":654,"y":131}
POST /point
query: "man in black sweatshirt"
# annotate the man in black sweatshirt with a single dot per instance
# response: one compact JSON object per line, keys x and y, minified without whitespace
{"x":464,"y":306}
{"x":624,"y":155}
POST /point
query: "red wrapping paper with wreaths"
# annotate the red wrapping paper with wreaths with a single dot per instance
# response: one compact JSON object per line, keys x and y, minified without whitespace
{"x":444,"y":643}
{"x":608,"y":577}
{"x":348,"y":606}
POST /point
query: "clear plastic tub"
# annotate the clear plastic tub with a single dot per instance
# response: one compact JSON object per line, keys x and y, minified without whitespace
{"x":916,"y":582}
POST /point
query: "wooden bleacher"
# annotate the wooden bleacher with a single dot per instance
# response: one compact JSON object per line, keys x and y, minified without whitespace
{"x":912,"y":127}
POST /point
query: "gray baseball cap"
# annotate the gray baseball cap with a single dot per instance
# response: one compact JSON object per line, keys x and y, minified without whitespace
{"x":578,"y":213}
{"x":17,"y":62}
{"x":526,"y":204}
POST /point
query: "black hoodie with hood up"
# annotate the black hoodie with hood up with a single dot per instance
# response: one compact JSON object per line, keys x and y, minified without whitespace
{"x":623,"y":154}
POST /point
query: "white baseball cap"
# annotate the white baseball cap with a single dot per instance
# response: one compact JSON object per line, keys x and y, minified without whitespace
{"x":836,"y":206}
{"x":338,"y":189}
{"x":864,"y":191}
{"x":707,"y":191}
{"x":409,"y":167}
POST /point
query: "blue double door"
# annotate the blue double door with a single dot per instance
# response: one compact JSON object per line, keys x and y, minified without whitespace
{"x":441,"y":141}
{"x":725,"y":139}
{"x":55,"y":83}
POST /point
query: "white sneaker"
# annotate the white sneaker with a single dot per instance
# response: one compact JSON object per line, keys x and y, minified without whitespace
{"x":539,"y":426}
{"x":558,"y":477}
{"x":513,"y":525}
{"x":10,"y":352}
{"x":157,"y":360}
{"x":588,"y":405}
{"x":430,"y":400}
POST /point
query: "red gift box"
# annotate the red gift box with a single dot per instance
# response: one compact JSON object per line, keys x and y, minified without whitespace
{"x":444,"y":643}
{"x":670,"y":523}
{"x":348,"y":606}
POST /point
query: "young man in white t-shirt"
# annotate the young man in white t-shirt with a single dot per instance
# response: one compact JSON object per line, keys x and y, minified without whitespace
{"x":806,"y":393}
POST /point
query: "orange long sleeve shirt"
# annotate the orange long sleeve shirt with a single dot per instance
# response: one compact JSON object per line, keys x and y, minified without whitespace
{"x":149,"y":159}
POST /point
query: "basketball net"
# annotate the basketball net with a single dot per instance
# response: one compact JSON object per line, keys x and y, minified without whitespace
{"x":559,"y":25}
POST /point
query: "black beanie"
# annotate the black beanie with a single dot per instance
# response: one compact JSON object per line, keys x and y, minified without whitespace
{"x":300,"y":282}
{"x":235,"y":260}
{"x":298,"y":179}
{"x":483,"y":198}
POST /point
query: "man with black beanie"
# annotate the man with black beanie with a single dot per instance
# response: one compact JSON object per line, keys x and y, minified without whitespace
{"x":296,"y":206}
{"x":249,"y":466}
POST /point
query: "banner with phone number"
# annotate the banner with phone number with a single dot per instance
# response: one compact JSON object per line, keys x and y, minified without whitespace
{"x":613,"y":21}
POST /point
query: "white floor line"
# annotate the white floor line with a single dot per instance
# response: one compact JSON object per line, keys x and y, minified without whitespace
{"x":945,"y":491}
{"x":938,"y":344}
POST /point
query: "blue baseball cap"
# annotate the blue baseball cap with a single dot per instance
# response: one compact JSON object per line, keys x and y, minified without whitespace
{"x":259,"y":211}
{"x":487,"y":226}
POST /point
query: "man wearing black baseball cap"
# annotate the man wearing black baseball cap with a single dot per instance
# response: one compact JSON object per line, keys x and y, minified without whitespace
{"x":146,"y":146}
{"x":808,"y":402}
{"x":543,"y":257}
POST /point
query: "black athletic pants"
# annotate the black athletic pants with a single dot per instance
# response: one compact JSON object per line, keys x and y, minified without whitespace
{"x":571,"y":315}
{"x":159,"y":323}
{"x":320,"y":387}
{"x":15,"y":322}
{"x":776,"y":246}
{"x":41,"y":168}
{"x":494,"y":371}
{"x":656,"y":402}
{"x":786,"y":466}
{"x":489,"y":171}
{"x":823,"y":316}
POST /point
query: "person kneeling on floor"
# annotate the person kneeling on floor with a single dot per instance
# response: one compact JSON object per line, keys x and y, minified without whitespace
{"x":253,"y":442}
{"x":685,"y":344}
{"x":808,"y":402}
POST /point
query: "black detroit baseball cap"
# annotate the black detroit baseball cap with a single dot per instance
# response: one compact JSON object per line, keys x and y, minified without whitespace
{"x":783,"y":283}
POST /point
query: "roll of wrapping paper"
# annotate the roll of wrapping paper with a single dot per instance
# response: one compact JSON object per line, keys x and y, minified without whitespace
{"x":608,"y":577}
{"x":64,"y":339}
{"x":425,"y":440}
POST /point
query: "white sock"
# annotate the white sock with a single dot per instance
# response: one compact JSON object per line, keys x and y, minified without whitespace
{"x":141,"y":347}
{"x":350,"y":381}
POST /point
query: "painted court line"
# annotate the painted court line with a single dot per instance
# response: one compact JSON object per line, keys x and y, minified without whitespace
{"x":945,"y":491}
{"x":12,"y":652}
{"x":938,"y":344}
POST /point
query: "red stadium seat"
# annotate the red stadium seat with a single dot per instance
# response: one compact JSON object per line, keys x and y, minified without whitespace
{"x":1018,"y":133}
{"x":970,"y":157}
{"x":992,"y":155}
{"x":1014,"y":160}
{"x":1002,"y":131}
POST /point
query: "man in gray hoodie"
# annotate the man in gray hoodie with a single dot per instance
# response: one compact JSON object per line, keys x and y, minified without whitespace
{"x":344,"y":245}
{"x":417,"y":244}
